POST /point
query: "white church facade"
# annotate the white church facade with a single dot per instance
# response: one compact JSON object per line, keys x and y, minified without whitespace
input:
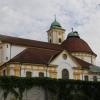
{"x":58,"y":58}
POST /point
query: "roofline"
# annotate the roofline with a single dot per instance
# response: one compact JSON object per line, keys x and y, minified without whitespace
{"x":33,"y":43}
{"x":82,"y":52}
{"x":56,"y":28}
{"x":6,"y":63}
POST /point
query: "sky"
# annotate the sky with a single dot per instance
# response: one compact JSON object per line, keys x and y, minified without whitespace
{"x":32,"y":18}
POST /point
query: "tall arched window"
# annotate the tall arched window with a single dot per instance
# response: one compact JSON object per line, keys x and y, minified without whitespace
{"x":65,"y":74}
{"x":50,"y":40}
{"x":28,"y":74}
{"x":59,"y":40}
{"x":86,"y":78}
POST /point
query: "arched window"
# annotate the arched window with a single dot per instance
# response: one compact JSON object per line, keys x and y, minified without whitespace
{"x":86,"y":78}
{"x":50,"y":40}
{"x":65,"y":74}
{"x":41,"y":74}
{"x":28,"y":74}
{"x":59,"y":40}
{"x":94,"y":78}
{"x":4,"y":72}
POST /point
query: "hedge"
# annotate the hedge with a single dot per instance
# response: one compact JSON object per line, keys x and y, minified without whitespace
{"x":63,"y":89}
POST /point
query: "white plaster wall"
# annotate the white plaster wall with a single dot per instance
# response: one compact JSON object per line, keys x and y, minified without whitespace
{"x":86,"y":57}
{"x":91,"y":77}
{"x":64,"y":64}
{"x":1,"y":50}
{"x":10,"y":51}
{"x":55,"y":36}
{"x":35,"y":73}
{"x":6,"y":52}
{"x":15,"y":49}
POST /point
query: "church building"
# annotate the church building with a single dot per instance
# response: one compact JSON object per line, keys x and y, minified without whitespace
{"x":71,"y":58}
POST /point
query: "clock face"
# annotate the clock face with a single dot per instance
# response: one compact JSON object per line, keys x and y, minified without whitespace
{"x":64,"y":56}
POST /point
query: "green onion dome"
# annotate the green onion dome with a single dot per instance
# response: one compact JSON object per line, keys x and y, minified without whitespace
{"x":74,"y":43}
{"x":55,"y":24}
{"x":73,"y":34}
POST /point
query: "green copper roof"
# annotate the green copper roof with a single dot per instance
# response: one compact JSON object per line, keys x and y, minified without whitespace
{"x":73,"y":34}
{"x":55,"y":24}
{"x":94,"y":68}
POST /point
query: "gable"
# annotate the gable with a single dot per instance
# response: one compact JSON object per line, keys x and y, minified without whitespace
{"x":62,"y":60}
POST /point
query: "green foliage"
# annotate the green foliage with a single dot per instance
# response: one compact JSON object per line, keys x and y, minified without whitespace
{"x":63,"y":89}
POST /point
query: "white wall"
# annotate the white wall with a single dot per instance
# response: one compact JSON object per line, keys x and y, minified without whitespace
{"x":35,"y":73}
{"x":86,"y":57}
{"x":15,"y":49}
{"x":64,"y":64}
{"x":9,"y":51}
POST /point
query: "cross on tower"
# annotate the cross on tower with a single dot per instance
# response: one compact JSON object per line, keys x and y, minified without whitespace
{"x":72,"y":29}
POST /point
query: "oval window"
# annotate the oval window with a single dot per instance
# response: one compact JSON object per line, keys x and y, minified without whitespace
{"x":64,"y":56}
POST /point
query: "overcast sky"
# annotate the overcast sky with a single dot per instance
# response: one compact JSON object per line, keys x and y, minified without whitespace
{"x":32,"y":18}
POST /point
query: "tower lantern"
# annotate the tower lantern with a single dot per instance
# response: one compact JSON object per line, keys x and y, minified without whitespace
{"x":56,"y":33}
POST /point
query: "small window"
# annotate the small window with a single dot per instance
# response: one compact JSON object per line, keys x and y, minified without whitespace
{"x":50,"y":40}
{"x":50,"y":34}
{"x":4,"y":72}
{"x":59,"y":33}
{"x":59,"y":40}
{"x":6,"y":58}
{"x":86,"y":78}
{"x":28,"y":74}
{"x":7,"y":45}
{"x":94,"y":78}
{"x":41,"y":74}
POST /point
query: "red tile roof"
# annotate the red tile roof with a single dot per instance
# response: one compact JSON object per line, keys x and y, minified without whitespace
{"x":75,"y":44}
{"x":29,"y":43}
{"x":35,"y":56}
{"x":83,"y":63}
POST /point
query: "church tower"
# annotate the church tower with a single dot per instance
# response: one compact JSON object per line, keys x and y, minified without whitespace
{"x":56,"y":33}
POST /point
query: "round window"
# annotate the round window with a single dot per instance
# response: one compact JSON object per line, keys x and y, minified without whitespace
{"x":64,"y":56}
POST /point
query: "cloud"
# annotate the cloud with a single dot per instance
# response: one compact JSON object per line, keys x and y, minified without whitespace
{"x":32,"y":18}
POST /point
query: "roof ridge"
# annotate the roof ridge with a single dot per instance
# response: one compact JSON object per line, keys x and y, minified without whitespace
{"x":29,"y":42}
